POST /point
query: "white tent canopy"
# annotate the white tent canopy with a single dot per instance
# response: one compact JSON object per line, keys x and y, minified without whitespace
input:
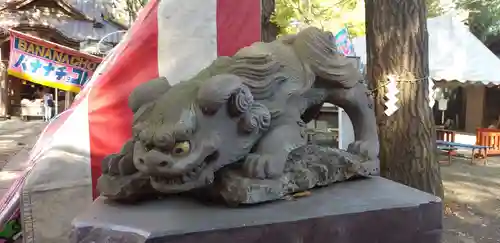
{"x":454,"y":53}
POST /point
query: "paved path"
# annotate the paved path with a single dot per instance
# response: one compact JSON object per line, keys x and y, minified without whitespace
{"x":16,"y":140}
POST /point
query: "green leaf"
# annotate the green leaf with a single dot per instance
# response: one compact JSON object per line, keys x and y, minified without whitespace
{"x":320,"y":13}
{"x":483,"y":19}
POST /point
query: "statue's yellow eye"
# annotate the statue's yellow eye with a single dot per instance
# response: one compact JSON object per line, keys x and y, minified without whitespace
{"x":181,"y":148}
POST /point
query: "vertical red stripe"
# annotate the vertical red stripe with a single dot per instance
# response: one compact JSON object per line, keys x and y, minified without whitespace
{"x":110,"y":119}
{"x":238,"y":25}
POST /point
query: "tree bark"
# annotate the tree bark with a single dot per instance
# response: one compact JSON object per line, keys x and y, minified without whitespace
{"x":4,"y":91}
{"x":4,"y":80}
{"x":397,"y":44}
{"x":269,"y":30}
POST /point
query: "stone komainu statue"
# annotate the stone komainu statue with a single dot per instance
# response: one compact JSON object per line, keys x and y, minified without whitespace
{"x":241,"y":122}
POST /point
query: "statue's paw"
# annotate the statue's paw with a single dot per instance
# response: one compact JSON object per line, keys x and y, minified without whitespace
{"x":257,"y":166}
{"x":109,"y":165}
{"x":118,"y":164}
{"x":365,"y":148}
{"x":125,"y":187}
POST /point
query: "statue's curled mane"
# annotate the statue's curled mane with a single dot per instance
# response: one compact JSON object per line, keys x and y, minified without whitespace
{"x":317,"y":48}
{"x":260,"y":72}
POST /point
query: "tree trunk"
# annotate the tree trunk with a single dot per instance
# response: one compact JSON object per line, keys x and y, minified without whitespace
{"x":269,"y":30}
{"x":4,"y":79}
{"x":4,"y":91}
{"x":397,"y":44}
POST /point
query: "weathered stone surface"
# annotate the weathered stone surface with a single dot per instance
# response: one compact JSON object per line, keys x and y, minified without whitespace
{"x":360,"y":211}
{"x":307,"y":167}
{"x":131,"y":188}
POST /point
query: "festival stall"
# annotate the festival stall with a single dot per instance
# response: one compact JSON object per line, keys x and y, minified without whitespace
{"x":38,"y":61}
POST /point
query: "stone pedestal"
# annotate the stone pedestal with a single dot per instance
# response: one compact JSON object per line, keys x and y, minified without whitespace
{"x":362,"y":211}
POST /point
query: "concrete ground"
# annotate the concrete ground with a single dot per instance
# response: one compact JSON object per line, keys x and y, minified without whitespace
{"x":472,"y":201}
{"x":16,"y":139}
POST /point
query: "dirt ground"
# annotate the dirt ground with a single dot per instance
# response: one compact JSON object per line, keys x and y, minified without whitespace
{"x":472,"y":201}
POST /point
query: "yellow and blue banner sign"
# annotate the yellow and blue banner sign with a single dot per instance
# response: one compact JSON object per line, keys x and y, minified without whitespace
{"x":49,"y":64}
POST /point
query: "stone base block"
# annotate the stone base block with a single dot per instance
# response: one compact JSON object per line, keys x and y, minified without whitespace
{"x":362,"y":211}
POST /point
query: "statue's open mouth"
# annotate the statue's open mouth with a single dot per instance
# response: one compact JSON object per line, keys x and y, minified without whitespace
{"x":199,"y":175}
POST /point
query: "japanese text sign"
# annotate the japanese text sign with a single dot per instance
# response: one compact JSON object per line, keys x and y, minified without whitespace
{"x":49,"y":64}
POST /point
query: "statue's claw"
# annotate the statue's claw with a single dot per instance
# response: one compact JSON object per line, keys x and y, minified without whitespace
{"x":109,"y":165}
{"x":365,"y":148}
{"x":126,"y":188}
{"x":257,"y":166}
{"x":126,"y":165}
{"x":118,"y":164}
